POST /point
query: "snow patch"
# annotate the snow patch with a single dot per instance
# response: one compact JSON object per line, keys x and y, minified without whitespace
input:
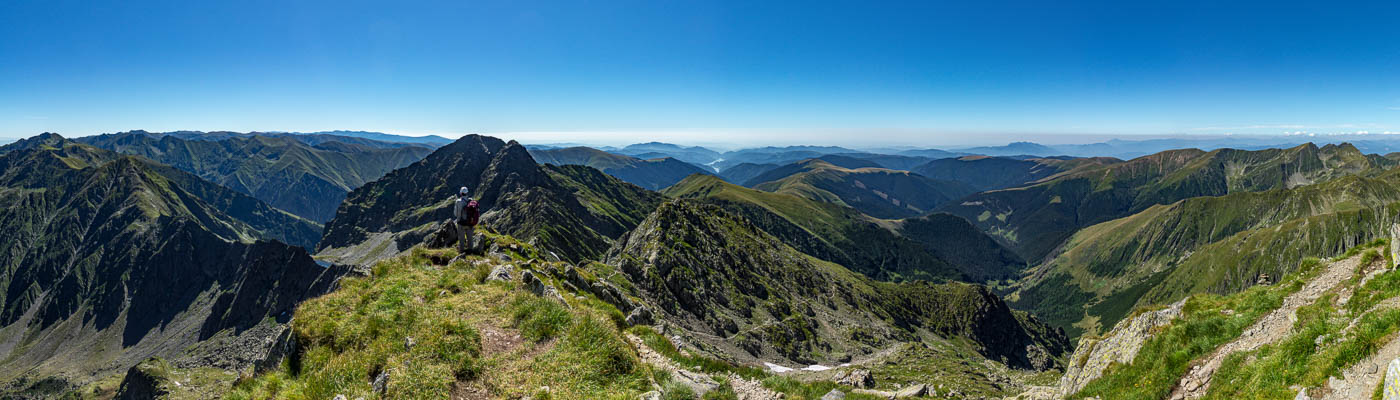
{"x":776,"y":368}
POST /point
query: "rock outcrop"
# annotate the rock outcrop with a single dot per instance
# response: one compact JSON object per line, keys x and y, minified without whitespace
{"x":1093,"y":355}
{"x":145,"y":381}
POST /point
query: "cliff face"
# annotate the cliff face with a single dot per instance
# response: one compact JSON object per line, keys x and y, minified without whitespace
{"x":112,"y":262}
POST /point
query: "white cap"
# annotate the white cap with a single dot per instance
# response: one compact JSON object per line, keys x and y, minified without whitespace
{"x":463,"y":192}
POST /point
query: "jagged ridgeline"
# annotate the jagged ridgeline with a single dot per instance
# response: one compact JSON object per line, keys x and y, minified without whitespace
{"x":572,"y":211}
{"x":934,"y":247}
{"x":287,"y":171}
{"x":742,"y":292}
{"x":111,"y":259}
{"x":1036,"y":219}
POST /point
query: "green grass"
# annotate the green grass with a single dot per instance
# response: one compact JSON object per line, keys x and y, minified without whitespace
{"x":677,"y":391}
{"x":1271,"y":371}
{"x":1202,"y":327}
{"x":661,"y":344}
{"x":361,"y":329}
{"x":537,"y":318}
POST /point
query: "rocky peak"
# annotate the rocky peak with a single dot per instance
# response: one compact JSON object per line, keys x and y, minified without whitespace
{"x":511,"y":169}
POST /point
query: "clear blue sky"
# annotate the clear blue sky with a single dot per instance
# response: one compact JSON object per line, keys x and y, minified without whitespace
{"x":921,"y":73}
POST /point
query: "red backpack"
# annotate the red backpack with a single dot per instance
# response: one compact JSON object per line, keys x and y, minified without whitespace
{"x":473,"y":216}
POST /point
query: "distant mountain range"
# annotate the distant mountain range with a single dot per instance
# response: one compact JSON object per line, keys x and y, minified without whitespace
{"x":431,"y":140}
{"x":1115,"y":148}
{"x":653,"y":174}
{"x":878,"y":192}
{"x":306,"y":179}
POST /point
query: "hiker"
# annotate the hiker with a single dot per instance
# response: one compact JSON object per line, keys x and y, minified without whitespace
{"x":467,"y":215}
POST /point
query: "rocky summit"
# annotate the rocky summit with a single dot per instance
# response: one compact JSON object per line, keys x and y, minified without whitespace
{"x":573,"y":211}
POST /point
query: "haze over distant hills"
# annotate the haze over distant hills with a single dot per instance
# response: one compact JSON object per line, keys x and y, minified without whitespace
{"x":1124,"y":147}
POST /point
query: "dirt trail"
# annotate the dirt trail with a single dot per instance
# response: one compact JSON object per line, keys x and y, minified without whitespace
{"x":1270,"y":328}
{"x":747,"y":389}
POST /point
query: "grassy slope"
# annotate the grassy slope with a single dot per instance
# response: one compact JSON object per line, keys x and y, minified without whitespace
{"x":878,"y":192}
{"x":456,"y":320}
{"x":1035,"y":220}
{"x":1168,"y":252}
{"x":1319,"y":346}
{"x":720,"y":275}
{"x":845,"y":236}
{"x":989,"y":173}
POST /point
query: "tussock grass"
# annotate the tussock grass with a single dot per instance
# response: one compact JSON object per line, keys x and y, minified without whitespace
{"x":539,"y":319}
{"x":1202,"y":327}
{"x":364,"y":328}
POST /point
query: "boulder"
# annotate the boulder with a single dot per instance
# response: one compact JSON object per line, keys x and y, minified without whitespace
{"x":859,"y":378}
{"x":834,"y":395}
{"x":443,"y":235}
{"x":652,"y":395}
{"x":380,"y":383}
{"x":874,"y":393}
{"x":283,"y":344}
{"x":539,"y":288}
{"x":503,"y":272}
{"x":146,"y":380}
{"x":640,"y":316}
{"x":1392,"y":381}
{"x":914,"y":390}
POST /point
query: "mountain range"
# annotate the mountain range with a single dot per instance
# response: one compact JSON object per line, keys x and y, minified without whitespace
{"x":176,"y":265}
{"x":114,"y":259}
{"x":653,"y":174}
{"x":306,"y":179}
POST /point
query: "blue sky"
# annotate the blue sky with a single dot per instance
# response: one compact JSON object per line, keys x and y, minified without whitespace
{"x":814,"y":72}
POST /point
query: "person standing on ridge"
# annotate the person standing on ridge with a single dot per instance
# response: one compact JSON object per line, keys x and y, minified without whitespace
{"x":467,"y":215}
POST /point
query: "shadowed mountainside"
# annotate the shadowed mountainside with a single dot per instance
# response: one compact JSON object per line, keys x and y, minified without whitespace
{"x":573,"y":211}
{"x":111,"y":262}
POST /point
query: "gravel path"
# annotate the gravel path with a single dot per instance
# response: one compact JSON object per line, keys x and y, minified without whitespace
{"x":1272,"y":327}
{"x":747,"y":389}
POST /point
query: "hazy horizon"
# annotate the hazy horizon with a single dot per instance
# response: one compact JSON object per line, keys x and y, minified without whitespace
{"x":740,"y":73}
{"x":622,"y":139}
